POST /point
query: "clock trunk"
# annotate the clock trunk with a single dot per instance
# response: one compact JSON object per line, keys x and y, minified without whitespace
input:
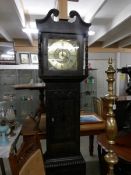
{"x":63,"y":119}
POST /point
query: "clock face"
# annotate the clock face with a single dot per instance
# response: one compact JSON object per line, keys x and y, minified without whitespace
{"x":62,"y":54}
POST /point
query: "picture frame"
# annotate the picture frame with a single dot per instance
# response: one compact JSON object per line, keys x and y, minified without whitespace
{"x":34,"y":58}
{"x":24,"y":58}
{"x":8,"y":54}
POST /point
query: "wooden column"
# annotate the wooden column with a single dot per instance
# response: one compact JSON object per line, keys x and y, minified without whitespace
{"x":63,"y":9}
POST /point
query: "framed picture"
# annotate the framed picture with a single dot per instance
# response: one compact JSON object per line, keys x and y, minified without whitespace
{"x":24,"y":58}
{"x":7,"y":53}
{"x":34,"y":58}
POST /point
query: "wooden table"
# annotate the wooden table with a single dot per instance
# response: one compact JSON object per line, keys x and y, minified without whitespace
{"x":86,"y":129}
{"x":122,"y":148}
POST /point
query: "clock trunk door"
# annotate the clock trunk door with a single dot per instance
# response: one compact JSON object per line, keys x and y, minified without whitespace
{"x":63,"y":119}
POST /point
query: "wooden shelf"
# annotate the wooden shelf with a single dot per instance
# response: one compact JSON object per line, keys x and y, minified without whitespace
{"x":35,"y":86}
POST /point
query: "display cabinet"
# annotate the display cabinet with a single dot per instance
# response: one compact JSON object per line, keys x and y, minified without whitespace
{"x":88,"y":89}
{"x":24,"y":102}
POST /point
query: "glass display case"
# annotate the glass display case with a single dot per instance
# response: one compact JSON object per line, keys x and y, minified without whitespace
{"x":88,"y":91}
{"x":24,"y":102}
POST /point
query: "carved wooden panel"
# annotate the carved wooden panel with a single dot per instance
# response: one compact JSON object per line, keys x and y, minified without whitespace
{"x":63,"y":118}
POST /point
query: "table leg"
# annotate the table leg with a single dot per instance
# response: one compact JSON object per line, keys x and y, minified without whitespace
{"x":103,"y":165}
{"x":100,"y":158}
{"x":41,"y":109}
{"x":91,"y":145}
{"x":2,"y":166}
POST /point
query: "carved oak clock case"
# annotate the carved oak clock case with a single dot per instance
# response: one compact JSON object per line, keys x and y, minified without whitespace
{"x":62,"y":65}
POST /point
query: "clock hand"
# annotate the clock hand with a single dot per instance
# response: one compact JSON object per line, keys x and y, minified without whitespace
{"x":62,"y":52}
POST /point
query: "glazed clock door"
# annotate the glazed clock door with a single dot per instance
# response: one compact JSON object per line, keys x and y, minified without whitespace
{"x":63,"y":56}
{"x":63,"y":119}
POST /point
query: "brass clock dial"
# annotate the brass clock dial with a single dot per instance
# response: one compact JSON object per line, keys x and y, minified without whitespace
{"x":62,"y":54}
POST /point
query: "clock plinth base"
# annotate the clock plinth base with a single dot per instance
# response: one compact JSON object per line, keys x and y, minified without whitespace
{"x":74,"y":165}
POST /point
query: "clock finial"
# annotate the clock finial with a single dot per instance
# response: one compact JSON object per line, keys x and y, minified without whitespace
{"x":63,"y":9}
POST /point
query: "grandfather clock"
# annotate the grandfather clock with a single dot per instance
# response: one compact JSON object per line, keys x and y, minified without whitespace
{"x":62,"y":65}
